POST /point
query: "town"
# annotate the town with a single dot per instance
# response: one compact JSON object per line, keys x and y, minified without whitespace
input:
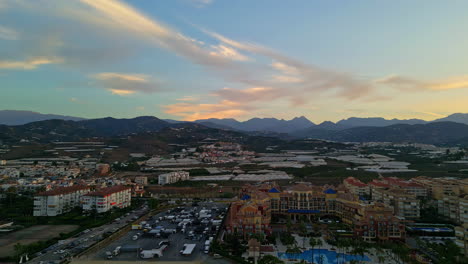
{"x":219,"y":201}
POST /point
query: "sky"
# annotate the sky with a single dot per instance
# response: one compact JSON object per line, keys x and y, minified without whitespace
{"x":197,"y":59}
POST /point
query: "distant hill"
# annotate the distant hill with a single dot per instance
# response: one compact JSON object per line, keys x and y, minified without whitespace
{"x":17,"y":117}
{"x":262,"y":124}
{"x":438,"y":133}
{"x":458,"y":117}
{"x":376,"y":122}
{"x":112,"y":126}
{"x":49,"y":130}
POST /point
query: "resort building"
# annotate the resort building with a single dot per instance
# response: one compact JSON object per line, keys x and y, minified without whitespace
{"x":59,"y":200}
{"x":372,"y":221}
{"x":103,"y":200}
{"x":250,"y":215}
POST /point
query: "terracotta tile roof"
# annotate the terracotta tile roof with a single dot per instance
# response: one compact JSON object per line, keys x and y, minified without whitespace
{"x":109,"y":190}
{"x":63,"y":190}
{"x":300,"y":188}
{"x":355,"y":182}
{"x":379,"y":184}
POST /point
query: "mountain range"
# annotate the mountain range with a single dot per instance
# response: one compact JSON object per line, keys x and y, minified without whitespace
{"x":452,"y":129}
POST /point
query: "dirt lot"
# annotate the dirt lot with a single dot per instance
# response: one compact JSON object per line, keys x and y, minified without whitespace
{"x":31,"y":235}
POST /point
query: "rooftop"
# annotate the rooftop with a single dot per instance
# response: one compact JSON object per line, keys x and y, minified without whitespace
{"x":109,"y":190}
{"x":63,"y":190}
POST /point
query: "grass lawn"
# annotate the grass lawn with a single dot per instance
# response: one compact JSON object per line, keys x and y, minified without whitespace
{"x":30,"y":235}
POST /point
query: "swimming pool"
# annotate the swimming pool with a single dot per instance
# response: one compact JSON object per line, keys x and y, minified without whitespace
{"x":329,"y":257}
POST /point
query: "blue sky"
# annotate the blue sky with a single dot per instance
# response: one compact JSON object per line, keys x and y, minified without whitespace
{"x":194,"y":59}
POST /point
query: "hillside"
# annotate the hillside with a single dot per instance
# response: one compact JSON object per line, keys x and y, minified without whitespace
{"x":18,"y":117}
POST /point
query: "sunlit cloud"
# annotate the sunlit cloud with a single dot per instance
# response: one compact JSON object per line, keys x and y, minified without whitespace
{"x":29,"y":64}
{"x":187,"y":99}
{"x":126,"y":84}
{"x":228,"y":52}
{"x":409,"y":84}
{"x":122,"y":76}
{"x":192,"y":111}
{"x":8,"y":33}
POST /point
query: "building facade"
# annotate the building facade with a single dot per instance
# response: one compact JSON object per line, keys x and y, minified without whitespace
{"x":105,"y":199}
{"x":405,"y":204}
{"x":59,"y":200}
{"x":173,"y":177}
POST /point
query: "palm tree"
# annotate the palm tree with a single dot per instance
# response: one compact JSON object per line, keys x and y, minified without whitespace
{"x":313,"y":242}
{"x":339,"y":246}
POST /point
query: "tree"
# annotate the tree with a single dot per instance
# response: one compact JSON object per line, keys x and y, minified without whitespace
{"x":153,"y":203}
{"x":269,"y":259}
{"x":313,"y":243}
{"x":259,"y":236}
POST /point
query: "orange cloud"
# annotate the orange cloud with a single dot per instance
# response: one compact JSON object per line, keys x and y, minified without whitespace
{"x":191,"y":111}
{"x":121,"y":92}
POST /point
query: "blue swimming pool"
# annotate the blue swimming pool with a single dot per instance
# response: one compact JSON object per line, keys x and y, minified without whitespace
{"x":329,"y":257}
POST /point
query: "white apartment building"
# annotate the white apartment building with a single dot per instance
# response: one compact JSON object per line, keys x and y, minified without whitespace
{"x":103,"y":200}
{"x":59,"y":200}
{"x":172,"y":177}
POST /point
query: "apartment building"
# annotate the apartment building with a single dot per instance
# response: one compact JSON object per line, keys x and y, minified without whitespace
{"x":411,"y":187}
{"x":356,"y":186}
{"x":438,"y":187}
{"x":405,"y":204}
{"x":59,"y":200}
{"x":105,"y":199}
{"x":461,"y":234}
{"x":173,"y":177}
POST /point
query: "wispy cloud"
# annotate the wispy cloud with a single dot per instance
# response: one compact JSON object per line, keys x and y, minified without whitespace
{"x":8,"y":33}
{"x":201,"y":3}
{"x":409,"y":84}
{"x":126,"y":84}
{"x":29,"y":64}
{"x":187,"y":99}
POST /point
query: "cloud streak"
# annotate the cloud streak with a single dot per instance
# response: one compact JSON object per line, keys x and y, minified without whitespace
{"x":8,"y":33}
{"x":409,"y":84}
{"x":126,"y":84}
{"x":29,"y":64}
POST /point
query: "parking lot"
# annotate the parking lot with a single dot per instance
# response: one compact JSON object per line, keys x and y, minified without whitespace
{"x":60,"y":251}
{"x":192,"y":224}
